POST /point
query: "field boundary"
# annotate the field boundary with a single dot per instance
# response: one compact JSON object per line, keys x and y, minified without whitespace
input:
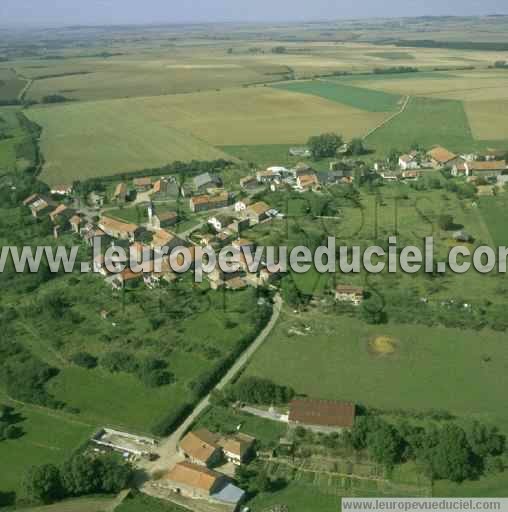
{"x":387,"y":120}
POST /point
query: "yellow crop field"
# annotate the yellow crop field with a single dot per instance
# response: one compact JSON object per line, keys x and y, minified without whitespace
{"x":488,"y":119}
{"x":106,"y":137}
{"x":454,"y":86}
{"x":101,"y":138}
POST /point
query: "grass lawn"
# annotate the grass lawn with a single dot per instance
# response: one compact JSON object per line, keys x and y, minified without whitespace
{"x":357,"y":97}
{"x":96,"y":504}
{"x":432,"y":368}
{"x":299,"y":497}
{"x":493,"y":486}
{"x":144,"y":503}
{"x":494,"y":211}
{"x":118,"y":400}
{"x":48,"y":438}
{"x":226,"y":420}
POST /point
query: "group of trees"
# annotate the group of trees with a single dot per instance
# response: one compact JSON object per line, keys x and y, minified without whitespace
{"x":325,"y":145}
{"x":394,"y":70}
{"x":256,"y":390}
{"x":9,"y":428}
{"x":254,"y":479}
{"x":151,"y":371}
{"x":23,"y":374}
{"x":81,"y":475}
{"x":447,"y":452}
{"x":55,"y":98}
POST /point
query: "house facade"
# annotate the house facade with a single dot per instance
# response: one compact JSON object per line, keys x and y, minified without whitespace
{"x":349,"y":294}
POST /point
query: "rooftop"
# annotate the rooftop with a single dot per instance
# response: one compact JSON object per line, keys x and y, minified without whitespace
{"x":326,"y":413}
{"x":194,"y":476}
{"x":200,"y":445}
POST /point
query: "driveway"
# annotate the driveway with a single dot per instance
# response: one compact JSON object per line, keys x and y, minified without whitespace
{"x":168,"y":447}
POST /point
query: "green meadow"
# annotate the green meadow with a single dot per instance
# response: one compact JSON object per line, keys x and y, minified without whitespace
{"x":431,"y":368}
{"x":48,"y":437}
{"x":357,"y":97}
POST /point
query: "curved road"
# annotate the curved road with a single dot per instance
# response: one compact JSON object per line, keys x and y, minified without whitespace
{"x":168,"y":447}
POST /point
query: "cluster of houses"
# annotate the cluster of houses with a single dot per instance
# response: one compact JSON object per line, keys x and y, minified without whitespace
{"x":198,"y":477}
{"x":302,"y":178}
{"x":491,"y":166}
{"x":204,"y":454}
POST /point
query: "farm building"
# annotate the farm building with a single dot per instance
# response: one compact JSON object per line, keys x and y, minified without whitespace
{"x":126,"y":278}
{"x":322,"y":415}
{"x":440,"y":157}
{"x":120,"y":193}
{"x":197,"y":482}
{"x":306,"y":182}
{"x":142,"y":184}
{"x":201,"y":447}
{"x":257,"y":212}
{"x":351,"y":294}
{"x":194,"y":481}
{"x":300,"y":152}
{"x":203,"y":203}
{"x":124,"y":443}
{"x":237,"y":448}
{"x":486,"y":169}
{"x":38,"y":204}
{"x":408,"y":161}
{"x":205,"y":181}
{"x":61,"y":190}
{"x":249,"y":182}
{"x":118,"y":229}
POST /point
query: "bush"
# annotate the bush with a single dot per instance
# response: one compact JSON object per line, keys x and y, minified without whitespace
{"x":85,"y":360}
{"x":120,"y":362}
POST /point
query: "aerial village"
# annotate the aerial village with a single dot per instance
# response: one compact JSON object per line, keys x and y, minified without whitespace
{"x":217,"y":217}
{"x":201,"y":464}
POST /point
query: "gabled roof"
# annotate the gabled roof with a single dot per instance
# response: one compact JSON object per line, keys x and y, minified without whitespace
{"x":239,"y":444}
{"x":142,"y":182}
{"x":259,"y":208}
{"x":194,"y":476}
{"x":116,"y":225}
{"x":162,"y":237}
{"x":31,"y":199}
{"x":441,"y":155}
{"x":491,"y":165}
{"x":342,"y":288}
{"x":166,"y":216}
{"x":200,"y":200}
{"x":200,"y":445}
{"x":205,"y":179}
{"x":120,"y":189}
{"x":58,"y":210}
{"x":325,"y":413}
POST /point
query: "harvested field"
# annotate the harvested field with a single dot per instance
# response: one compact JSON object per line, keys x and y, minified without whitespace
{"x":488,"y":119}
{"x":183,"y":127}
